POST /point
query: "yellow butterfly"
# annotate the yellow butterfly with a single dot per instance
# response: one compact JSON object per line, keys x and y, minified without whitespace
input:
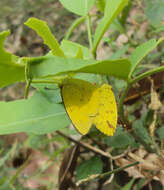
{"x":88,"y":104}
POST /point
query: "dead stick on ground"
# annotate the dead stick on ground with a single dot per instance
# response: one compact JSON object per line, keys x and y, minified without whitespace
{"x":91,"y":148}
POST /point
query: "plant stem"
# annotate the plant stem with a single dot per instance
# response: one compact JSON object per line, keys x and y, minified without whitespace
{"x":88,"y":20}
{"x":52,"y":81}
{"x":129,"y":84}
{"x":73,"y":26}
{"x":98,"y":176}
{"x":146,"y":74}
{"x":121,"y":104}
{"x":123,"y":96}
{"x":27,"y":88}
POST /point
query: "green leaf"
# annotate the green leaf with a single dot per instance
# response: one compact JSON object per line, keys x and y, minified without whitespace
{"x":141,"y":131}
{"x":141,"y":51}
{"x":8,"y":154}
{"x":79,"y":7}
{"x":52,"y":66}
{"x":11,"y":70}
{"x":36,"y":115}
{"x":158,"y":30}
{"x":119,"y":53}
{"x":89,"y":167}
{"x":112,"y":10}
{"x":154,"y":12}
{"x":120,"y":139}
{"x":50,"y":91}
{"x":129,"y":185}
{"x":160,"y":132}
{"x":71,"y":49}
{"x":44,"y":32}
{"x":101,"y":5}
{"x":79,"y":54}
{"x":125,"y":13}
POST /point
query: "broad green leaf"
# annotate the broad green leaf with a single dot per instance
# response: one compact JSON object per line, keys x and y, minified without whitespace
{"x":10,"y":70}
{"x":89,"y":167}
{"x":71,"y":49}
{"x":44,"y":32}
{"x":141,"y":130}
{"x":141,"y":51}
{"x":52,"y":66}
{"x":50,"y":91}
{"x":79,"y":7}
{"x":120,"y":139}
{"x":112,"y":10}
{"x":160,"y":132}
{"x":36,"y":115}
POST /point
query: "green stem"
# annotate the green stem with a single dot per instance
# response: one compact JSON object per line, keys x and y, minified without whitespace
{"x":146,"y":74}
{"x":28,"y":82}
{"x":98,"y":176}
{"x":129,"y":84}
{"x":52,"y":81}
{"x":88,"y":20}
{"x":123,"y":96}
{"x":73,"y":26}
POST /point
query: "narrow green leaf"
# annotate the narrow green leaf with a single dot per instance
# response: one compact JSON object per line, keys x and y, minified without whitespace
{"x":10,"y":70}
{"x":53,"y":66}
{"x":112,"y":10}
{"x":5,"y":157}
{"x":80,"y":7}
{"x":158,"y":30}
{"x":125,"y":13}
{"x":119,"y":53}
{"x":44,"y":32}
{"x":129,"y":185}
{"x":71,"y":49}
{"x":141,"y":51}
{"x":36,"y":115}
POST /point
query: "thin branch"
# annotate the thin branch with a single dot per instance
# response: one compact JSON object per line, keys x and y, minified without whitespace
{"x":77,"y":22}
{"x":98,"y":176}
{"x":91,"y":148}
{"x":146,"y":74}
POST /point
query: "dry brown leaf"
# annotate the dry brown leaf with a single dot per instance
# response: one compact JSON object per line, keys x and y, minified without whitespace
{"x":148,"y":162}
{"x":155,"y":102}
